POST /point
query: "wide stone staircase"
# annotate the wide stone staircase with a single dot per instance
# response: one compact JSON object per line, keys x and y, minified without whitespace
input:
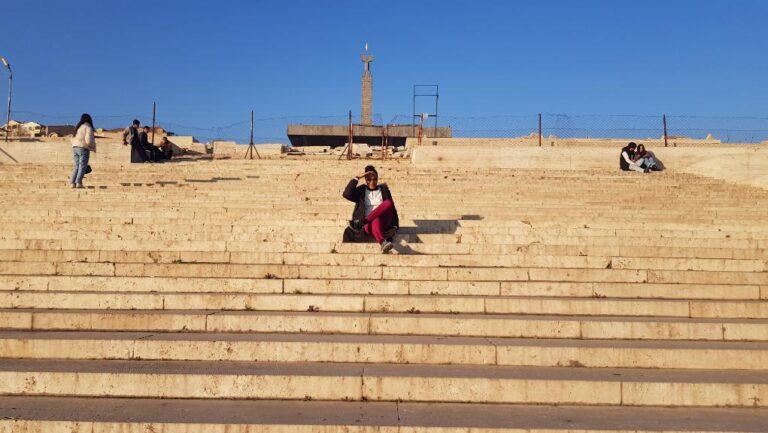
{"x":216,"y":296}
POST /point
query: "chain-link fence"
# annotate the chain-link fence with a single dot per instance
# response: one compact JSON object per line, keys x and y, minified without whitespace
{"x":561,"y":126}
{"x":265,"y":130}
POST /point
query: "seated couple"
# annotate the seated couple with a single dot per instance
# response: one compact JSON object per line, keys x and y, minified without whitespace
{"x":375,"y":213}
{"x":635,"y":158}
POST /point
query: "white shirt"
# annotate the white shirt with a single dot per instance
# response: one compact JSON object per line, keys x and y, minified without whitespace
{"x":372,"y":200}
{"x":625,"y":155}
{"x":84,"y":137}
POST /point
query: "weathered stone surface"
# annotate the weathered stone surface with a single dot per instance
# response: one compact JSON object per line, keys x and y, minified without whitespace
{"x":227,"y":279}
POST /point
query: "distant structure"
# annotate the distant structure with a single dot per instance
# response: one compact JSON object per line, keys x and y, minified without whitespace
{"x":365,"y":131}
{"x":366,"y":105}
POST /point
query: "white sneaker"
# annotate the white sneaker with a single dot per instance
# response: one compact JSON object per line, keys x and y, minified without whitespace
{"x":386,"y":247}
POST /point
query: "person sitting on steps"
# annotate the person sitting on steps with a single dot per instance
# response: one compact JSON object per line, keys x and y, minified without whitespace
{"x":627,"y":161}
{"x":375,"y":213}
{"x":165,"y":149}
{"x":150,"y":150}
{"x":649,"y":159}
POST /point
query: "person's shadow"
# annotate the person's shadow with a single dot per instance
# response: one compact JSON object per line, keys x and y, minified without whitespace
{"x":428,"y":227}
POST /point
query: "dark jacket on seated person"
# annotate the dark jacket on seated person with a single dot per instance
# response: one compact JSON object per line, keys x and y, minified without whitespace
{"x":356,"y":194}
{"x":623,"y":164}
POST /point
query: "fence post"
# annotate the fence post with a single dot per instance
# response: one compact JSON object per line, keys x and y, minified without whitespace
{"x":251,"y":146}
{"x":539,"y":129}
{"x":351,"y":136}
{"x":384,"y":142}
{"x":421,"y":127}
{"x":664,"y":122}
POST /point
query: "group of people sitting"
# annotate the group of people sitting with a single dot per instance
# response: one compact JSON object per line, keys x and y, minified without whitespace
{"x":141,"y":149}
{"x":634,"y":157}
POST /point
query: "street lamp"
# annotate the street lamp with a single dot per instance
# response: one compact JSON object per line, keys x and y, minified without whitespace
{"x":10,"y":92}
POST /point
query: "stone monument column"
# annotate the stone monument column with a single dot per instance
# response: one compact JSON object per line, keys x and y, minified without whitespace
{"x":366,"y":106}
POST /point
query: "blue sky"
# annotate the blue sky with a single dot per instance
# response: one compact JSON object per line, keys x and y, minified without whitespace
{"x":209,"y":63}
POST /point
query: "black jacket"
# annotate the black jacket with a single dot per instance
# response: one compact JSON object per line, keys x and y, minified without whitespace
{"x":624,"y":165}
{"x":356,"y":194}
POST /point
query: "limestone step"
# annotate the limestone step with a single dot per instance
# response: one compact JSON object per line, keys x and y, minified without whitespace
{"x":383,"y":287}
{"x":468,"y":325}
{"x":420,"y":229}
{"x":383,"y":303}
{"x":409,"y":225}
{"x":552,"y":222}
{"x":422,"y":273}
{"x":164,"y":193}
{"x":164,"y":251}
{"x":109,"y":415}
{"x":248,"y":242}
{"x":384,"y":382}
{"x":370,"y":259}
{"x":750,"y":221}
{"x":394,"y":349}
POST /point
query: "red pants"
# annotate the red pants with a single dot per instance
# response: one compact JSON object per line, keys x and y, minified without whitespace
{"x":380,"y":220}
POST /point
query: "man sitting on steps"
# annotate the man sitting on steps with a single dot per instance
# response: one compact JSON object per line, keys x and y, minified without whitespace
{"x":375,"y":213}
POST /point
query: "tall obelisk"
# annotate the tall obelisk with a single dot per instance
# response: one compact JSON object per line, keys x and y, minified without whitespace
{"x":366,"y":106}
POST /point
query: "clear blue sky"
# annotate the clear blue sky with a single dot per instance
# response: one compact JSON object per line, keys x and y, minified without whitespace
{"x":208,"y":63}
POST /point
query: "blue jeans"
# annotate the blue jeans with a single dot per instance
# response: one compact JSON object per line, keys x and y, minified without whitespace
{"x":81,"y":156}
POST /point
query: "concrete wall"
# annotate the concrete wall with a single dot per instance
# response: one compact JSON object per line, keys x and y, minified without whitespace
{"x":338,"y":135}
{"x":360,"y":130}
{"x":60,"y":151}
{"x":232,"y":150}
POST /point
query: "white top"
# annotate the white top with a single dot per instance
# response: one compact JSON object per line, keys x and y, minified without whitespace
{"x":84,"y":137}
{"x":625,"y":155}
{"x":372,"y":200}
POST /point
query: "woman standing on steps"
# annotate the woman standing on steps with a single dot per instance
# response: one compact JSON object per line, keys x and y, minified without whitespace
{"x":83,"y":143}
{"x":375,"y":213}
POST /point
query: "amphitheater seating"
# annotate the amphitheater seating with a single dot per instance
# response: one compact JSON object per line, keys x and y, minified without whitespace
{"x":217,"y":296}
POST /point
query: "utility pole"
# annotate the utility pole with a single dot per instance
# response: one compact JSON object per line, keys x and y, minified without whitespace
{"x":10,"y":93}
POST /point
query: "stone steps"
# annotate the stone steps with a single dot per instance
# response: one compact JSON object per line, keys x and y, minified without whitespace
{"x":399,"y":260}
{"x":234,"y":301}
{"x":115,"y":208}
{"x":445,"y":324}
{"x":485,"y":210}
{"x":395,"y":349}
{"x":174,"y":251}
{"x":384,"y":287}
{"x":108,"y":415}
{"x":384,"y":382}
{"x":429,"y":231}
{"x":334,"y":234}
{"x":228,"y":281}
{"x":417,"y":273}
